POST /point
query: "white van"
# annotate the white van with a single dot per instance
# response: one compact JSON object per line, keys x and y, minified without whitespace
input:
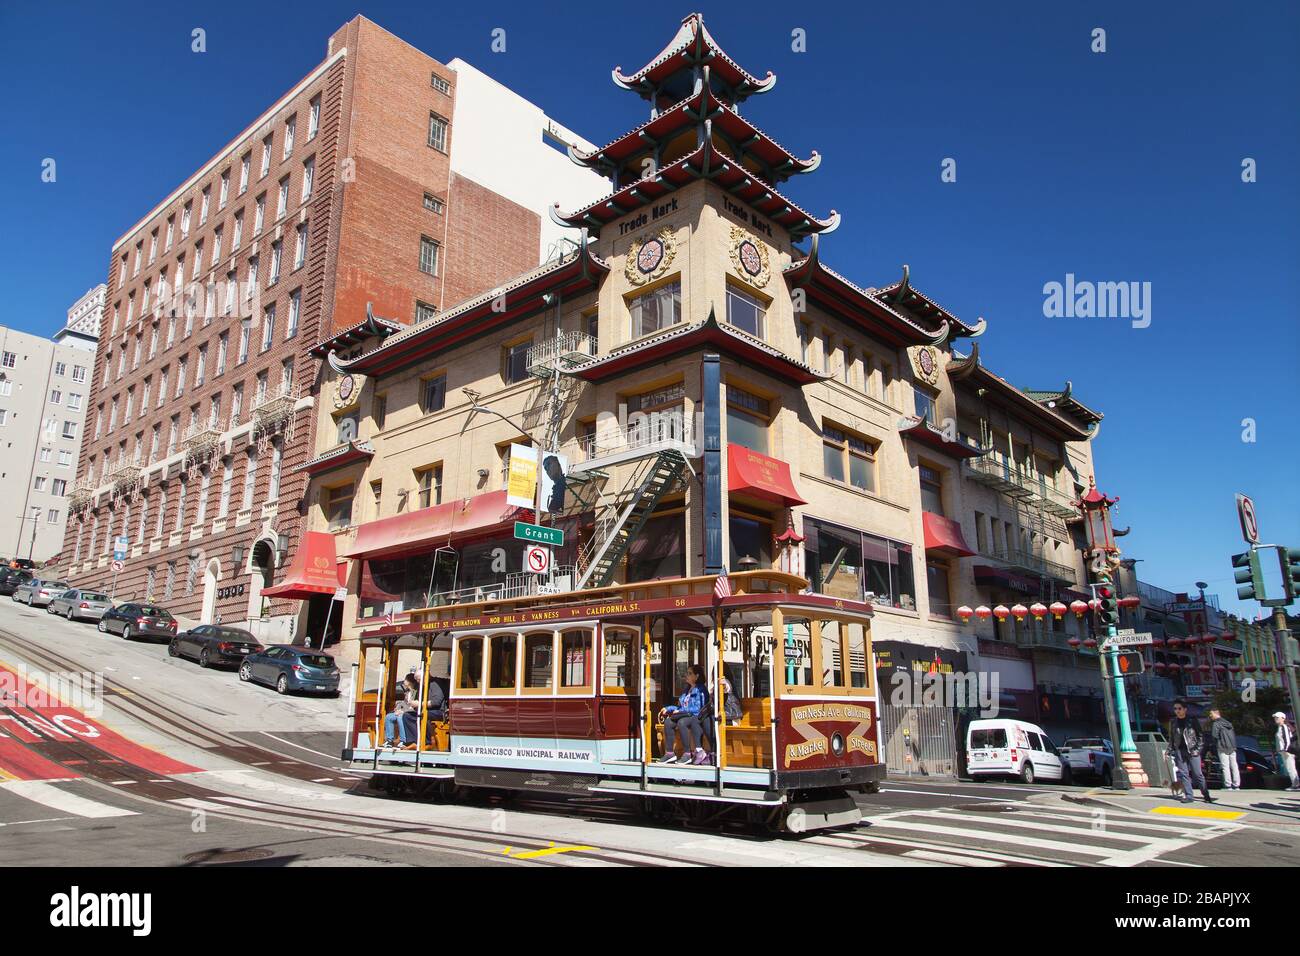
{"x":1011,"y":748}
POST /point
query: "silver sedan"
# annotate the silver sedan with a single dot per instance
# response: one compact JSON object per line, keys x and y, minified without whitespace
{"x":78,"y":603}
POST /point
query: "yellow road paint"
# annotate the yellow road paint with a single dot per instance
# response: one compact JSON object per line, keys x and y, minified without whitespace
{"x":545,"y":851}
{"x":1206,"y":814}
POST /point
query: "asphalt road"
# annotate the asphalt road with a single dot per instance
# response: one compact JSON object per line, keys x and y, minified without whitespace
{"x":191,"y":767}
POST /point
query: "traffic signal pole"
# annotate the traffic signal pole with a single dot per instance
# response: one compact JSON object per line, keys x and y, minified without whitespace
{"x":1282,"y":640}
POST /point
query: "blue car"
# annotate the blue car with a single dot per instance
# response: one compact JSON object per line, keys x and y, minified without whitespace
{"x":287,"y":667}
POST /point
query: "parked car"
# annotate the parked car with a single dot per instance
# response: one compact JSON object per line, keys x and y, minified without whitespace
{"x":1012,"y":748}
{"x":24,"y":564}
{"x":135,"y":619}
{"x":13,"y":578}
{"x":1258,"y":771}
{"x":214,"y":644}
{"x":287,"y":667}
{"x":1090,"y":757}
{"x":38,"y":592}
{"x":79,"y":603}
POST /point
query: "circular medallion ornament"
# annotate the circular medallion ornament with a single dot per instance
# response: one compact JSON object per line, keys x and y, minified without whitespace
{"x":649,"y":256}
{"x":926,"y":360}
{"x":347,"y":385}
{"x":750,"y":260}
{"x":347,"y":390}
{"x":749,"y":257}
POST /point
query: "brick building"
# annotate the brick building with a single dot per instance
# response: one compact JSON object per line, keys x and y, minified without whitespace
{"x":343,"y":205}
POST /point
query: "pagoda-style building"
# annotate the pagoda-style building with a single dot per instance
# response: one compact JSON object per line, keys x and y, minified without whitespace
{"x":723,"y":399}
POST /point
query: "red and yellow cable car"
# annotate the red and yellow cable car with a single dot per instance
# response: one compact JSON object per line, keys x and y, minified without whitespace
{"x":562,"y":694}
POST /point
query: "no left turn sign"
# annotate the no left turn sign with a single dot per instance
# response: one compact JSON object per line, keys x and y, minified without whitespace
{"x":1249,"y":523}
{"x":537,"y":560}
{"x":118,"y":566}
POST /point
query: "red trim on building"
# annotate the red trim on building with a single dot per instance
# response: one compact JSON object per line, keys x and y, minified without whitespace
{"x":315,"y":569}
{"x":430,"y":527}
{"x":944,"y":535}
{"x":750,"y":473}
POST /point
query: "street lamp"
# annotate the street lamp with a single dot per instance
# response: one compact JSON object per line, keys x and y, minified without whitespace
{"x":36,"y":517}
{"x":1095,"y":508}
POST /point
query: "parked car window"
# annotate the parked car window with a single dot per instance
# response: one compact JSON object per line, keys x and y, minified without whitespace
{"x":148,"y":610}
{"x":93,"y":596}
{"x":316,"y":660}
{"x":988,"y":737}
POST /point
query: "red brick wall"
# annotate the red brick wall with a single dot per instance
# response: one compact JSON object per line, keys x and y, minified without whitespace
{"x":491,"y":239}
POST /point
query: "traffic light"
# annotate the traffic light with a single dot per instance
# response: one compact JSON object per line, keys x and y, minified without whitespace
{"x":1290,"y":571}
{"x":1248,"y":574}
{"x":1108,"y":607}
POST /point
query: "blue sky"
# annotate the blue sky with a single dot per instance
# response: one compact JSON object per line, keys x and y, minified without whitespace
{"x":1120,"y":166}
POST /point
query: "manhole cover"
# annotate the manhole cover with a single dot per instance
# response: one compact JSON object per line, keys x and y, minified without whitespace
{"x":213,"y":857}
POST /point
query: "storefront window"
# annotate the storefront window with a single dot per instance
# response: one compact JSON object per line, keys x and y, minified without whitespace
{"x":748,"y":419}
{"x":847,"y":564}
{"x":658,"y":551}
{"x":750,"y":538}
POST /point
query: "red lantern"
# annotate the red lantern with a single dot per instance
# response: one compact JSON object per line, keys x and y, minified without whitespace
{"x":1090,"y":642}
{"x":1175,"y":642}
{"x":1250,"y":668}
{"x":1074,"y":642}
{"x":1157,"y":642}
{"x":1130,"y":601}
{"x":1058,"y":609}
{"x":1093,"y":605}
{"x":1220,"y":669}
{"x":1228,"y":636}
{"x":1019,"y":611}
{"x":1175,"y":667}
{"x":1001,"y":612}
{"x":1080,"y":608}
{"x":1038,"y":610}
{"x":1159,"y":665}
{"x":965,"y":613}
{"x":983,"y":612}
{"x":1235,"y":668}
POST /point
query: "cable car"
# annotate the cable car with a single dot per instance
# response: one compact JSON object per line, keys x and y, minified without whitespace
{"x":563,"y":693}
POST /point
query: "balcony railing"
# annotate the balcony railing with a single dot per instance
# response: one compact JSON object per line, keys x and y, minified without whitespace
{"x":201,"y":435}
{"x":275,"y":405}
{"x":670,"y":432}
{"x":124,"y":473}
{"x":1028,"y":561}
{"x":564,"y":353}
{"x":1002,"y":474}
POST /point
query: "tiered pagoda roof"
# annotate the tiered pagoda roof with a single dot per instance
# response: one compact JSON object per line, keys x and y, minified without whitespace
{"x":695,"y":132}
{"x":969,"y":369}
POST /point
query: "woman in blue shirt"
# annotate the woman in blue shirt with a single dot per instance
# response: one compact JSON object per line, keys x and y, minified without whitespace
{"x":684,"y":717}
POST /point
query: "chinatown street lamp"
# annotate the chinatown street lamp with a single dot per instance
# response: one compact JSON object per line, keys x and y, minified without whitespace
{"x":1095,"y":508}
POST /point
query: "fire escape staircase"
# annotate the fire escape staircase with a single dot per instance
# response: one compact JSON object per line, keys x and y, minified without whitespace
{"x":622,"y":516}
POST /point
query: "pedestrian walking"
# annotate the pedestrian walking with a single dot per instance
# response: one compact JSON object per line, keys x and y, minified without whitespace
{"x":1284,"y":742}
{"x":1185,"y":745}
{"x":1225,"y":744}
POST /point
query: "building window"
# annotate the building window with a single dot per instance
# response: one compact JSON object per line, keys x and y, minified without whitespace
{"x":433,"y":394}
{"x":657,"y":309}
{"x":748,"y":419}
{"x":428,"y":256}
{"x":338,"y":506}
{"x":78,"y":373}
{"x":750,"y":537}
{"x":250,"y":480}
{"x":516,"y":362}
{"x":936,"y":577}
{"x":295,"y":312}
{"x":300,"y":250}
{"x":925,"y":402}
{"x":225,"y":190}
{"x":745,"y":312}
{"x":437,"y":132}
{"x":283,"y":203}
{"x":429,"y":482}
{"x":10,"y":359}
{"x":266,"y":155}
{"x":268,"y":327}
{"x":846,"y":563}
{"x":244,"y":165}
{"x":59,"y":487}
{"x":276,"y":248}
{"x":308,"y":174}
{"x":433,"y":203}
{"x":227,"y":479}
{"x":259,"y":215}
{"x":931,"y":490}
{"x":277,"y":459}
{"x":849,"y":457}
{"x":424,"y":312}
{"x":313,"y":118}
{"x":439,"y":84}
{"x":290,"y":125}
{"x":69,"y":429}
{"x":833,"y":445}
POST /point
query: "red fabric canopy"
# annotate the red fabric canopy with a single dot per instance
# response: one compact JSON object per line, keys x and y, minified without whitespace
{"x":750,"y":473}
{"x":944,"y":534}
{"x":433,"y":526}
{"x":314,"y":569}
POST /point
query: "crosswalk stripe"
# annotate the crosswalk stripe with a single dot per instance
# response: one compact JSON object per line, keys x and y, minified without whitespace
{"x":996,"y":837}
{"x":1051,"y":828}
{"x":978,"y":852}
{"x":1110,"y":820}
{"x":938,"y":857}
{"x":47,"y":794}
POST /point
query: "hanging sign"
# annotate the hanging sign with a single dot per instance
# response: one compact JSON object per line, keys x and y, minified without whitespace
{"x":521,"y":478}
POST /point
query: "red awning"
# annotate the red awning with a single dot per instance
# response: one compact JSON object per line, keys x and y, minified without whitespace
{"x":944,"y":534}
{"x":750,"y":473}
{"x":314,"y":569}
{"x":433,"y":526}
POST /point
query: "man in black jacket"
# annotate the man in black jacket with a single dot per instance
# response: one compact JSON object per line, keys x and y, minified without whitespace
{"x":1185,"y":746}
{"x":1225,"y":743}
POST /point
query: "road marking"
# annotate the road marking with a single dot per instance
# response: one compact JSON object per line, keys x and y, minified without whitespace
{"x":937,"y":793}
{"x":1051,"y":828}
{"x":44,"y":792}
{"x":124,"y":783}
{"x":1206,"y":814}
{"x":299,"y":746}
{"x":546,"y":851}
{"x":18,"y":823}
{"x":937,"y":857}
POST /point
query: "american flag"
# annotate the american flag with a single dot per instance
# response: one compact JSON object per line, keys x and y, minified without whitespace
{"x":388,"y":619}
{"x":722,"y":586}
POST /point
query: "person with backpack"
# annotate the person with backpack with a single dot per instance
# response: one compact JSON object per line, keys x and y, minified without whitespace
{"x":1284,"y":742}
{"x":1225,"y":744}
{"x":1185,"y":745}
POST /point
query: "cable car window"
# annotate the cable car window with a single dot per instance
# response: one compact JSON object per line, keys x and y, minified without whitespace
{"x":575,"y":655}
{"x":797,"y":645}
{"x":688,"y":649}
{"x":470,"y":675}
{"x":858,"y":663}
{"x":539,"y":653}
{"x":621,"y":671}
{"x":832,"y":633}
{"x":501,"y":663}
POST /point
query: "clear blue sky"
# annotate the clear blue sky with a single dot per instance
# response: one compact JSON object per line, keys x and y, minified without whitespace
{"x":1122,"y":166}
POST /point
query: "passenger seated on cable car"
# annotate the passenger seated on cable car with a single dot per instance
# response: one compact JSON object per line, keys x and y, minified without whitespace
{"x":684,"y":717}
{"x":731,"y":712}
{"x":439,"y":689}
{"x":404,"y":721}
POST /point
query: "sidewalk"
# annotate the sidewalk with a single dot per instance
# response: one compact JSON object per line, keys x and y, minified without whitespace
{"x":1257,"y":807}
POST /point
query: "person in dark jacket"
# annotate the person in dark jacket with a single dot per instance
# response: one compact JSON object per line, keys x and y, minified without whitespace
{"x":1225,"y":743}
{"x":1185,"y":744}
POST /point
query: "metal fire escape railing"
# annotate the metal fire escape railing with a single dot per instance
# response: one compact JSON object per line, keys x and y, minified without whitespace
{"x":622,"y":517}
